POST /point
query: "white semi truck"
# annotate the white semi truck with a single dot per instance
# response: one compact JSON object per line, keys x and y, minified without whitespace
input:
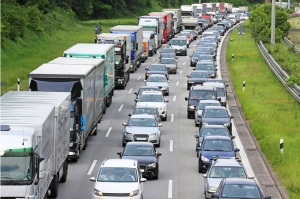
{"x":177,"y":21}
{"x":34,"y":143}
{"x":122,"y":44}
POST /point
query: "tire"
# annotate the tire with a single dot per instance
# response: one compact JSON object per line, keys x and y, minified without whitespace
{"x":197,"y":154}
{"x":104,"y":107}
{"x":128,"y":78}
{"x":54,"y":187}
{"x":158,"y":145}
{"x":167,"y":94}
{"x":75,"y":159}
{"x":185,"y":54}
{"x":64,"y":177}
{"x":175,"y":71}
{"x":155,"y":177}
{"x":96,"y":131}
{"x":85,"y":144}
{"x":200,"y":170}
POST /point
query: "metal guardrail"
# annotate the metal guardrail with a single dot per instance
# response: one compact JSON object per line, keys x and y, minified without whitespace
{"x":291,"y":45}
{"x":281,"y":74}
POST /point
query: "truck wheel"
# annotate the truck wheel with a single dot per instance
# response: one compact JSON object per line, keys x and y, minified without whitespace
{"x":85,"y":144}
{"x":104,"y":107}
{"x":64,"y":177}
{"x":128,"y":77}
{"x":96,"y":130}
{"x":54,"y":187}
{"x":110,"y":98}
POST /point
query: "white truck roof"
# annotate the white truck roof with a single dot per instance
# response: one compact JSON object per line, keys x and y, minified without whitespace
{"x":76,"y":61}
{"x":89,"y":48}
{"x":126,"y":28}
{"x":111,"y":35}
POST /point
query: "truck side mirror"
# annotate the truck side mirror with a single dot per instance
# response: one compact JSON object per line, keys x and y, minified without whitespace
{"x":42,"y":165}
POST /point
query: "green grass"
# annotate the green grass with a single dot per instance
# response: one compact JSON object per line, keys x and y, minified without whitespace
{"x":272,"y":112}
{"x":29,"y":53}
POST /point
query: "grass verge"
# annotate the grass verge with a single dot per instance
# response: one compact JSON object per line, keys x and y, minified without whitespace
{"x":271,"y":111}
{"x":31,"y":52}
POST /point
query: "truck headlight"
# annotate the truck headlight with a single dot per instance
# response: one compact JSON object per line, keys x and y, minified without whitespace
{"x":120,"y":80}
{"x":98,"y":193}
{"x":134,"y":193}
{"x":71,"y":144}
{"x":204,"y":159}
{"x":162,"y":108}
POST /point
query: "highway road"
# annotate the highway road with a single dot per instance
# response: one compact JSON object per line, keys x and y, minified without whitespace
{"x":179,"y":177}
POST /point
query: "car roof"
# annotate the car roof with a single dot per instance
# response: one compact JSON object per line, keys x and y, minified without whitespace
{"x":199,"y":71}
{"x":139,"y":144}
{"x":149,"y":87}
{"x":142,"y":116}
{"x":121,"y":163}
{"x":215,"y":84}
{"x":205,"y":62}
{"x":208,"y":101}
{"x":144,"y":107}
{"x":213,"y":126}
{"x":215,"y":107}
{"x":152,"y":93}
{"x":157,"y":75}
{"x":170,"y":58}
{"x":217,"y":137}
{"x":227,"y":162}
{"x":178,"y":38}
{"x":199,"y":87}
{"x":240,"y":181}
{"x":157,"y":64}
{"x":168,"y":53}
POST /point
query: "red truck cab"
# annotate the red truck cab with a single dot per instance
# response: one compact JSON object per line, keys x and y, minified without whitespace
{"x":207,"y":16}
{"x":168,"y":24}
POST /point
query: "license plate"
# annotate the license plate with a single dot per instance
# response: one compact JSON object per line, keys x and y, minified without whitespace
{"x":141,"y":138}
{"x":142,"y":170}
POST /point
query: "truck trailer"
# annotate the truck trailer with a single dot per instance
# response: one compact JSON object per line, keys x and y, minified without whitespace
{"x":177,"y":21}
{"x":84,"y":79}
{"x":122,"y":45}
{"x":35,"y":160}
{"x":136,"y":33}
{"x":168,"y":32}
{"x":155,"y":24}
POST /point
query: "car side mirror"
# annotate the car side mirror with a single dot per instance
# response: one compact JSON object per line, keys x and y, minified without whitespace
{"x":231,"y":117}
{"x":219,"y":99}
{"x":158,"y":154}
{"x":168,"y":81}
{"x":129,"y":115}
{"x":232,"y":137}
{"x":236,"y":150}
{"x":124,"y":124}
{"x":176,"y":58}
{"x":160,"y":125}
{"x":251,"y":177}
{"x":187,"y":76}
{"x":143,"y":180}
{"x":216,"y":69}
{"x":119,"y":153}
{"x":226,"y":85}
{"x":93,"y":179}
{"x":204,"y":175}
{"x":196,"y":136}
{"x":135,"y":93}
{"x":187,"y":45}
{"x":166,"y":100}
{"x":146,"y":68}
{"x":136,"y":100}
{"x":186,"y":98}
{"x":194,"y":69}
{"x":145,"y":80}
{"x":198,"y":148}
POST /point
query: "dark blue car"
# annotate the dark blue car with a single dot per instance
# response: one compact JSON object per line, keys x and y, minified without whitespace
{"x":213,"y":146}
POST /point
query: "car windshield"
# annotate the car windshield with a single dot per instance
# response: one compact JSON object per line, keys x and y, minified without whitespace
{"x":145,"y":122}
{"x":167,"y":61}
{"x":184,"y":34}
{"x":216,"y":80}
{"x":227,"y":172}
{"x":180,"y":42}
{"x":203,"y":105}
{"x":195,"y":55}
{"x":157,"y":79}
{"x":139,"y":151}
{"x":206,"y":50}
{"x":217,"y":145}
{"x":215,"y":113}
{"x":149,"y":111}
{"x":117,"y":174}
{"x":240,"y":191}
{"x":168,"y":50}
{"x":148,"y":89}
{"x":207,"y":34}
{"x":156,"y":68}
{"x":151,"y":98}
{"x":203,"y":66}
{"x":168,"y":55}
{"x":205,"y":57}
{"x":199,"y":75}
{"x":214,"y":131}
{"x":202,"y":94}
{"x":220,"y":92}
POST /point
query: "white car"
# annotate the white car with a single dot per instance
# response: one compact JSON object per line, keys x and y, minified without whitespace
{"x":118,"y":178}
{"x":159,"y":81}
{"x":156,"y":99}
{"x":244,"y":17}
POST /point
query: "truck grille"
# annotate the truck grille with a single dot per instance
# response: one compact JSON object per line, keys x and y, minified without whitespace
{"x":116,"y":194}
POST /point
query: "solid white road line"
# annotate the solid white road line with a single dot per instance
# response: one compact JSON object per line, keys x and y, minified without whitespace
{"x":108,"y":132}
{"x":172,"y":117}
{"x":170,"y":189}
{"x":92,"y":167}
{"x":174,"y":98}
{"x":121,"y":107}
{"x":153,"y":59}
{"x":171,"y":145}
{"x":183,"y":63}
{"x":130,"y":90}
{"x":139,"y":78}
{"x":177,"y":83}
{"x":180,"y":72}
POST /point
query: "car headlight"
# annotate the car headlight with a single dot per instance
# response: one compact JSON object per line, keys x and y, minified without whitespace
{"x":223,"y":100}
{"x":98,"y":193}
{"x":204,"y":159}
{"x":191,"y":107}
{"x":154,"y":134}
{"x":134,"y":193}
{"x":120,"y":80}
{"x":162,"y":108}
{"x":128,"y":134}
{"x":71,"y":144}
{"x":212,"y":189}
{"x":153,"y":165}
{"x":212,"y":75}
{"x":227,"y":124}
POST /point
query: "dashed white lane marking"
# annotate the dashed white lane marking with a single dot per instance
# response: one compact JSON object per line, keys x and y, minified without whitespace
{"x":180,"y":72}
{"x":171,"y":145}
{"x":92,"y":167}
{"x":172,"y":117}
{"x":177,"y":83}
{"x":121,"y":107}
{"x":174,"y":98}
{"x":139,"y":78}
{"x":153,"y":59}
{"x":183,"y":63}
{"x":108,"y":132}
{"x":170,"y":189}
{"x":130,"y":90}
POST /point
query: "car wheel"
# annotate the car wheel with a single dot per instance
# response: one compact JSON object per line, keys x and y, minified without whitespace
{"x":165,"y":118}
{"x":196,"y":124}
{"x":188,"y":116}
{"x":123,"y":143}
{"x":158,"y":145}
{"x":200,"y":170}
{"x":167,"y":94}
{"x":175,"y":71}
{"x":155,"y":177}
{"x":185,"y":54}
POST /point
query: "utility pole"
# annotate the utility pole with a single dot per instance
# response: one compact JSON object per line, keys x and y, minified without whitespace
{"x":199,"y":1}
{"x":273,"y":23}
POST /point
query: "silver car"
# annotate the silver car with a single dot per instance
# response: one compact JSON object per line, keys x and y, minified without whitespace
{"x":170,"y":63}
{"x":221,"y":91}
{"x":222,"y":168}
{"x":180,"y":45}
{"x":202,"y":104}
{"x":141,"y":128}
{"x":160,"y":81}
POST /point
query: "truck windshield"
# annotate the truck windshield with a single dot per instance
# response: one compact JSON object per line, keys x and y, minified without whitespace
{"x":54,"y":85}
{"x":179,"y":42}
{"x":72,"y":123}
{"x":186,"y":14}
{"x":118,"y":59}
{"x":16,"y":167}
{"x":150,"y":28}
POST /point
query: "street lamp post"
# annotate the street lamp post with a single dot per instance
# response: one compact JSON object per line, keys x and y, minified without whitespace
{"x":273,"y":23}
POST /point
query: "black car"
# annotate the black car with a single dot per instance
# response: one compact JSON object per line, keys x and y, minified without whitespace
{"x":194,"y":59}
{"x":197,"y":77}
{"x":196,"y":94}
{"x":208,"y":66}
{"x":156,"y":69}
{"x":239,"y":188}
{"x":145,"y":153}
{"x":211,"y":130}
{"x":217,"y":115}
